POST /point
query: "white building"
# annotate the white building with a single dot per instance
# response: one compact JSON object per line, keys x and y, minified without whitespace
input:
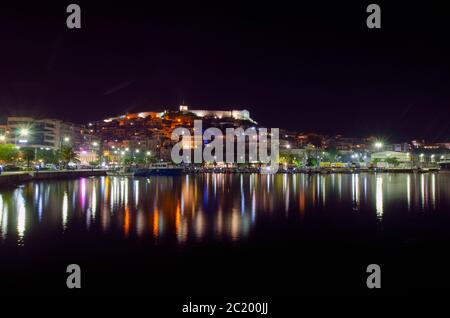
{"x":235,"y":114}
{"x":40,"y":133}
{"x":381,"y":159}
{"x":383,"y":155}
{"x":86,"y":157}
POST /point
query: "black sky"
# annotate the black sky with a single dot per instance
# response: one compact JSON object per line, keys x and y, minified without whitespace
{"x":310,"y":68}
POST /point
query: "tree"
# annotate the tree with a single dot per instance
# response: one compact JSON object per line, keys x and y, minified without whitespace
{"x":94,"y":163}
{"x":393,"y":161}
{"x":331,"y":154}
{"x":296,"y":162}
{"x":8,"y":153}
{"x":28,"y":155}
{"x":47,"y":156}
{"x":67,"y":154}
{"x":376,"y":160}
{"x":138,"y":158}
{"x":285,"y":159}
{"x":128,"y":160}
{"x":150,"y":159}
{"x":311,"y":162}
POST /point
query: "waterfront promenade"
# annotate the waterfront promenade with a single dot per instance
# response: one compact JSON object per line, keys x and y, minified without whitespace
{"x":15,"y":178}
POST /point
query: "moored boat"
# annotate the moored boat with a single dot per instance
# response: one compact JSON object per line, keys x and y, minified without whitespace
{"x":159,"y":169}
{"x":445,"y":165}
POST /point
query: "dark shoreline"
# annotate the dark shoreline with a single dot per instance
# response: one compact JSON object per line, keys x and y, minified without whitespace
{"x":12,"y":180}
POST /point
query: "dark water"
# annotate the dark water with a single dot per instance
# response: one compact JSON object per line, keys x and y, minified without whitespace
{"x":248,"y":232}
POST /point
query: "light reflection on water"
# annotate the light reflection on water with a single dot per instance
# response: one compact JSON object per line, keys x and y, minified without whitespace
{"x":196,"y":207}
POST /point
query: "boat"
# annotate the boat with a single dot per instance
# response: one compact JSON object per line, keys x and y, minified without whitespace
{"x":445,"y":165}
{"x":159,"y":169}
{"x":431,"y":169}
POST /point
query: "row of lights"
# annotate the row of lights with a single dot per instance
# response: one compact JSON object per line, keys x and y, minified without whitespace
{"x":123,"y":152}
{"x":432,"y":156}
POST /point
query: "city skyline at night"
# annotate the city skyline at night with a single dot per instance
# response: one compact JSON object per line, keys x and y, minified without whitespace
{"x":196,"y":153}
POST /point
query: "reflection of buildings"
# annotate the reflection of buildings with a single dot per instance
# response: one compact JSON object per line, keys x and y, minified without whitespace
{"x":200,"y":207}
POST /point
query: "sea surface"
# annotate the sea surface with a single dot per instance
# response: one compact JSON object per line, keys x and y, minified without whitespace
{"x":227,"y":232}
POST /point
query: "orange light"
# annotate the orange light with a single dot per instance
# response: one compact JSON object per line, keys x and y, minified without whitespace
{"x":156,"y":223}
{"x":126,"y":223}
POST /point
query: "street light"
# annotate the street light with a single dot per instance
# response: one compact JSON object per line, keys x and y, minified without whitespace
{"x":66,"y":139}
{"x":24,"y":132}
{"x":378,"y":145}
{"x":2,"y":138}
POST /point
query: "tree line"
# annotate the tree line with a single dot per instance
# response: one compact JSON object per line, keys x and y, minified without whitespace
{"x":13,"y":155}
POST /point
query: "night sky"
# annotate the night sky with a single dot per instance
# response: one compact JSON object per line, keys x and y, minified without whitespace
{"x":303,"y":68}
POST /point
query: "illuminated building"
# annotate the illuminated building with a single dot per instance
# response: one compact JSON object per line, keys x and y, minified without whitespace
{"x":41,"y":133}
{"x":219,"y":114}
